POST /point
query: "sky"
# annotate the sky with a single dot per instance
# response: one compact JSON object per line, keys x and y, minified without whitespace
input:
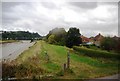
{"x":90,"y":17}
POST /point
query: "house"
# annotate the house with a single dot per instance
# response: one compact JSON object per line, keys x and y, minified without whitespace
{"x":85,"y":39}
{"x":92,"y":40}
{"x":116,"y":38}
{"x":97,"y":39}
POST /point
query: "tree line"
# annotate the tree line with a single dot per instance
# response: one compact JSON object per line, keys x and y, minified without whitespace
{"x":19,"y":35}
{"x":59,"y":36}
{"x":110,"y":44}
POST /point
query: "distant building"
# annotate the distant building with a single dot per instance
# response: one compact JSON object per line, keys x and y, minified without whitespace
{"x":92,"y":39}
{"x":97,"y":39}
{"x":116,"y":38}
{"x":85,"y":39}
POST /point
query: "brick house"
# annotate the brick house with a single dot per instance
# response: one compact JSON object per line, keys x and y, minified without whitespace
{"x":97,"y":39}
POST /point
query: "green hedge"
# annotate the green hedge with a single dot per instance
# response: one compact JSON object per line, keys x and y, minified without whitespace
{"x":96,"y":53}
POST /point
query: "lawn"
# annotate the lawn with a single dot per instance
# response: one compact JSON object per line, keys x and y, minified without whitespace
{"x":81,"y":66}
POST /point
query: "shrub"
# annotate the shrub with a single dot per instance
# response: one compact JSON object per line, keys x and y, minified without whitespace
{"x":109,"y":43}
{"x":60,"y":73}
{"x":56,"y":36}
{"x":96,"y":53}
{"x":51,"y":39}
{"x":10,"y":70}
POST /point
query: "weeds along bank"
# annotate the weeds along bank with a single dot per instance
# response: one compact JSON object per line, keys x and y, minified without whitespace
{"x":8,"y":41}
{"x":34,"y":63}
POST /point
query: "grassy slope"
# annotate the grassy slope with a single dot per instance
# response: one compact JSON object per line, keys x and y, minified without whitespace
{"x":82,"y":66}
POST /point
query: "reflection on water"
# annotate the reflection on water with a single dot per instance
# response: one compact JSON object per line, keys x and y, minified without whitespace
{"x":12,"y":50}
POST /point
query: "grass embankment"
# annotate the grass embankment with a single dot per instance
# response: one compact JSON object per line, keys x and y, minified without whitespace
{"x":34,"y":63}
{"x":96,"y":53}
{"x":7,"y":41}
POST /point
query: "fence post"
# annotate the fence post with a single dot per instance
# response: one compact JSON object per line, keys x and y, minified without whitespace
{"x":47,"y":56}
{"x":64,"y":67}
{"x":68,"y":60}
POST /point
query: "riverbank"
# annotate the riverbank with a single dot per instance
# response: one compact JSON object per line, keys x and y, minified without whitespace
{"x":8,"y":41}
{"x":12,"y":50}
{"x":35,"y":65}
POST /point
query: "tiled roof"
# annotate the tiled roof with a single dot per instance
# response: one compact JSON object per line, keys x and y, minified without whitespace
{"x":85,"y":39}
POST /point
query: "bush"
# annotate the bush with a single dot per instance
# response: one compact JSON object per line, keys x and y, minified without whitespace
{"x":10,"y":70}
{"x":60,"y":73}
{"x":56,"y":36}
{"x":51,"y":39}
{"x":109,"y":43}
{"x":96,"y":53}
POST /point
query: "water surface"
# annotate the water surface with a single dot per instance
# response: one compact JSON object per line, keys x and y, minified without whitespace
{"x":12,"y":50}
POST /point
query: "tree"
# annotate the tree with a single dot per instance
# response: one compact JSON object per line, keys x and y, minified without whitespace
{"x":51,"y":39}
{"x":118,"y":46}
{"x":59,"y":36}
{"x":19,"y":35}
{"x":73,"y":37}
{"x":108,"y":43}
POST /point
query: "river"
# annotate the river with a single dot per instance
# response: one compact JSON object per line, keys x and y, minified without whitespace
{"x":12,"y":50}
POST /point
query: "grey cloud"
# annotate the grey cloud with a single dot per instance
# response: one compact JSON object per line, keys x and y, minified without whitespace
{"x":92,"y":28}
{"x":49,"y":5}
{"x":8,"y":14}
{"x":7,"y":18}
{"x":119,"y":19}
{"x":7,"y":6}
{"x":6,"y":9}
{"x":85,"y":5}
{"x":43,"y":24}
{"x":108,"y":3}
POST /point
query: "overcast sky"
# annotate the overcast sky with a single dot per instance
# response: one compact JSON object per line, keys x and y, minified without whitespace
{"x":90,"y":17}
